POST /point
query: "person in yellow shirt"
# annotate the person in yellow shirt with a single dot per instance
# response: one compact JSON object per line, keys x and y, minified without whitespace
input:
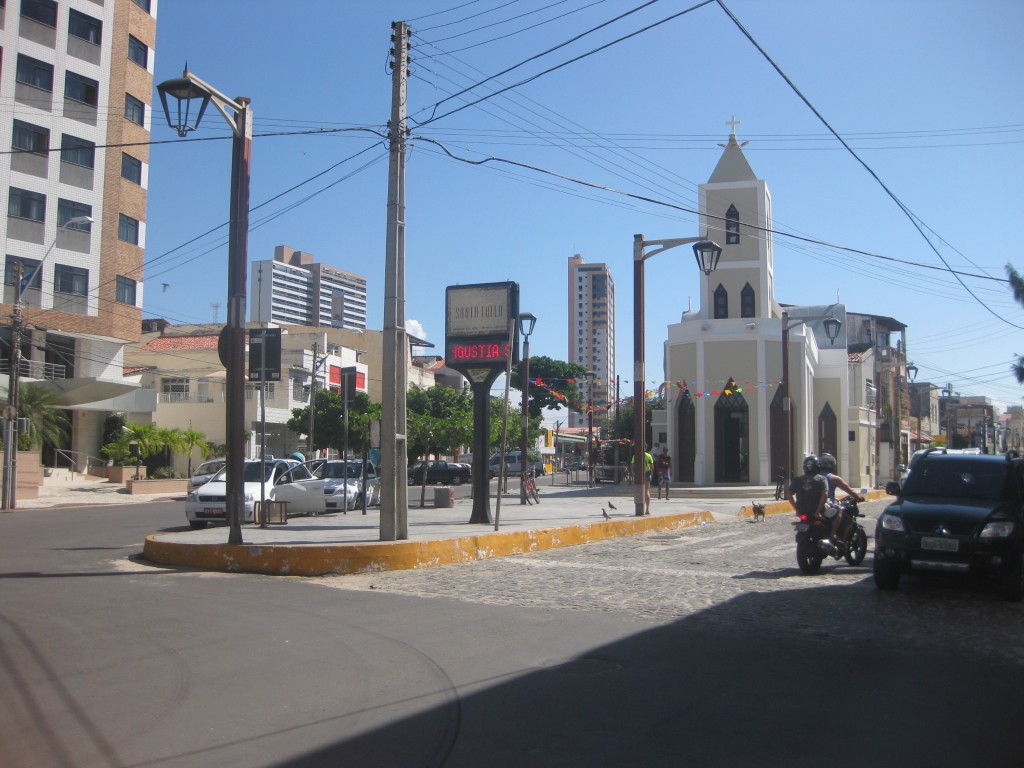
{"x":648,"y":468}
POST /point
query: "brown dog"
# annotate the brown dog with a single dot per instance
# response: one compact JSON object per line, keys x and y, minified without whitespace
{"x":758,"y":511}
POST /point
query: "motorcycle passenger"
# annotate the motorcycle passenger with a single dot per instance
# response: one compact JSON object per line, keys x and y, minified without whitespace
{"x":811,"y":491}
{"x":828,"y":467}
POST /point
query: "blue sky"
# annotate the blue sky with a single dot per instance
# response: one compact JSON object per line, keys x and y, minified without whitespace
{"x":927,"y":93}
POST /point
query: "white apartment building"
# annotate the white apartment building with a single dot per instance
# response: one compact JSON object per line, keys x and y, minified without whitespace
{"x":591,"y":331}
{"x":77,"y":79}
{"x":294,"y":289}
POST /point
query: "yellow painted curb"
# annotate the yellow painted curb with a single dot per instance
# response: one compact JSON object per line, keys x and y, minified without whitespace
{"x":314,"y":560}
{"x":784,"y":507}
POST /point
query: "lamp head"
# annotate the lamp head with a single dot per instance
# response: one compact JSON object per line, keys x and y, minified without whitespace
{"x":192,"y":100}
{"x":526,"y":323}
{"x":912,"y":372}
{"x":707,"y":254}
{"x":832,"y":327}
{"x":591,"y":375}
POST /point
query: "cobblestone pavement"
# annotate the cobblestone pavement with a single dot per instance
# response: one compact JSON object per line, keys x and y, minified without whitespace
{"x":737,"y":573}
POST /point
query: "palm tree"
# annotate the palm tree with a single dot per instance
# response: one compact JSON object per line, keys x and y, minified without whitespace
{"x":171,"y":440}
{"x":49,"y":422}
{"x":191,"y":440}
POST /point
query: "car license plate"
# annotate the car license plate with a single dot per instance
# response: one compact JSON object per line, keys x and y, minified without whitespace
{"x":213,"y":511}
{"x":802,"y":526}
{"x":939,"y":545}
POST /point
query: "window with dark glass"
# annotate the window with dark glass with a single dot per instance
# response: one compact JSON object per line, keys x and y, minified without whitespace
{"x":125,"y":290}
{"x":137,"y":51}
{"x":747,"y":301}
{"x":131,"y":168}
{"x":68,"y":279}
{"x":134,"y":109}
{"x":30,"y":138}
{"x":28,"y":267}
{"x":85,"y":27}
{"x":143,"y":4}
{"x":26,"y":205}
{"x":732,"y":226}
{"x":34,"y":72}
{"x":68,"y":210}
{"x":77,"y":151}
{"x":128,"y":230}
{"x":43,"y":11}
{"x":721,"y":302}
{"x":81,"y":88}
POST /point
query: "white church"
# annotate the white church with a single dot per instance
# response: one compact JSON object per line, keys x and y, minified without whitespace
{"x":725,"y":415}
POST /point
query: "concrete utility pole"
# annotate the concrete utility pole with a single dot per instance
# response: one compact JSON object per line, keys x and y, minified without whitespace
{"x":312,"y":400}
{"x":394,"y":508}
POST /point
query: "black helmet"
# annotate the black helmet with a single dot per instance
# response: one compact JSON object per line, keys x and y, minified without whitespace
{"x":827,"y":462}
{"x":811,"y":466}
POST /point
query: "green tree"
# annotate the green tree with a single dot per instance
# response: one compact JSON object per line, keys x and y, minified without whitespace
{"x":329,"y":422}
{"x":558,"y":377}
{"x":49,"y":423}
{"x":1017,"y":285}
{"x":447,"y":421}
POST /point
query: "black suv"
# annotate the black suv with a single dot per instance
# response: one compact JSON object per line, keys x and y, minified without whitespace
{"x":956,"y":513}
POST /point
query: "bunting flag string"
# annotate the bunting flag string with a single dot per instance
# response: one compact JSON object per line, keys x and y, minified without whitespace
{"x":664,"y":389}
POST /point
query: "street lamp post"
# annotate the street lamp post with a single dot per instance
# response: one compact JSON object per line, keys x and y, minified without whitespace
{"x":707,"y":254}
{"x":591,"y":377}
{"x":10,"y":472}
{"x":191,"y":92}
{"x":832,"y":327}
{"x":526,"y":323}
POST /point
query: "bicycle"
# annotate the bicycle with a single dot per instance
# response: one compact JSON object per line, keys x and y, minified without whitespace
{"x":780,"y":484}
{"x":530,"y":486}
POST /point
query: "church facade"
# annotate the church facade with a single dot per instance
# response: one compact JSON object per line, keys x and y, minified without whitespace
{"x":725,"y":415}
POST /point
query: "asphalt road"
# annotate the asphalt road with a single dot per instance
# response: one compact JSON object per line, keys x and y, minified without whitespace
{"x":700,"y":647}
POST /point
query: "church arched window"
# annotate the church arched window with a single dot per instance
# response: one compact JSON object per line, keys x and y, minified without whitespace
{"x":721,"y":302}
{"x":732,"y":226}
{"x":747,"y":301}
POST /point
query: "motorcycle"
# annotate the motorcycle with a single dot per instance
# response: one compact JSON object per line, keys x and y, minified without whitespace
{"x":812,"y":533}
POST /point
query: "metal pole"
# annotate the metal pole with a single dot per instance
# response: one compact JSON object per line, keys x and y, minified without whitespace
{"x":523,"y":442}
{"x":263,"y":428}
{"x":394,"y":469}
{"x":787,"y":408}
{"x":238,"y":247}
{"x":639,"y":376}
{"x":590,"y":429}
{"x":344,"y":437}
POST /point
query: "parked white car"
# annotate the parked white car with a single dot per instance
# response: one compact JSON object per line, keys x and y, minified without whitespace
{"x":283,"y":480}
{"x":345,"y":479}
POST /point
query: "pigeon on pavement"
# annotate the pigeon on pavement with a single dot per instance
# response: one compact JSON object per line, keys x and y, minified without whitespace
{"x":605,"y":513}
{"x":611,"y":506}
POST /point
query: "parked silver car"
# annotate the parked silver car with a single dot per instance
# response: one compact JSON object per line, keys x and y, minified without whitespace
{"x":345,"y":480}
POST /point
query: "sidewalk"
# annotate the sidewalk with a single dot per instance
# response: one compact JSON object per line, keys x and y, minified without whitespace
{"x":350,"y":543}
{"x":65,"y":489}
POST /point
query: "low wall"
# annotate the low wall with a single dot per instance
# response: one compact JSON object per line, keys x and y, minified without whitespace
{"x":29,"y":475}
{"x":171,"y":486}
{"x":122,"y":475}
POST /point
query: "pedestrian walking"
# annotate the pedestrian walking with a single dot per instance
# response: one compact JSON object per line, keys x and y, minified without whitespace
{"x":663,"y":466}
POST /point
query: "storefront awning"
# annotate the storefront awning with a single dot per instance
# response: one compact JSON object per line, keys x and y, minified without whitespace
{"x":570,"y":439}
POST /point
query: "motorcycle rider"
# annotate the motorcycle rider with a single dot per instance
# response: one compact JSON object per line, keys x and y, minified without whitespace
{"x":828,"y":466}
{"x":811,"y":491}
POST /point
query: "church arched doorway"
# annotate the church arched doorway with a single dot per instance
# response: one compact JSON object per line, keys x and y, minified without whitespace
{"x":828,"y":432}
{"x":686,"y":439}
{"x":732,"y":438}
{"x":777,"y":417}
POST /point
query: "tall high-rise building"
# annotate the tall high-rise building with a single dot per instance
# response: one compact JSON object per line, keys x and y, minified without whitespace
{"x":592,"y":333}
{"x":77,"y":80}
{"x":294,"y":289}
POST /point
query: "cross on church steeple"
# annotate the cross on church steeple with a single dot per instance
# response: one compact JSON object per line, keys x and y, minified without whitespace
{"x":732,"y":125}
